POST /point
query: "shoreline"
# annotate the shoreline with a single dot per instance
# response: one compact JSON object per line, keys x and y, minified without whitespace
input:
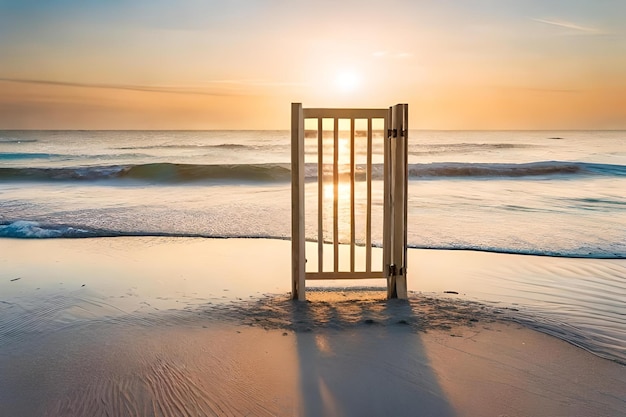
{"x":187,"y":326}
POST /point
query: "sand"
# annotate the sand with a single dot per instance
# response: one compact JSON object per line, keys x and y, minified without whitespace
{"x":192,"y":327}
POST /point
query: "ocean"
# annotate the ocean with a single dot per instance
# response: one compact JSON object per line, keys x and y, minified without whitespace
{"x":546,"y":193}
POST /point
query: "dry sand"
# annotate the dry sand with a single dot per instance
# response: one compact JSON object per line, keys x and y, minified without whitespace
{"x":193,"y":327}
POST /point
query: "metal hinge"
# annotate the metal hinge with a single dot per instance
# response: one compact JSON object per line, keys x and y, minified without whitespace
{"x":393,"y":133}
{"x":393,"y":270}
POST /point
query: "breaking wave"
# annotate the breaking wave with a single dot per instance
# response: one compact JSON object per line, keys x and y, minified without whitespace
{"x":161,"y":173}
{"x":10,"y":156}
{"x":170,"y":173}
{"x":546,"y":168}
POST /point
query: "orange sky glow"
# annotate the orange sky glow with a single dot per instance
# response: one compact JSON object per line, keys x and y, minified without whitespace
{"x":190,"y":64}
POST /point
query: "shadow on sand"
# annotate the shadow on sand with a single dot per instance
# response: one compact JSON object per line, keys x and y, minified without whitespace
{"x":362,"y":357}
{"x":360,"y":354}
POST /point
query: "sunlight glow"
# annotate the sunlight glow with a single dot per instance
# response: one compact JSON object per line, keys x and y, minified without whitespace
{"x":347,"y":81}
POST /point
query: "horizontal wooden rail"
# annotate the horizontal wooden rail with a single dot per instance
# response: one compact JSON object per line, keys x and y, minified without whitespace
{"x":345,"y":113}
{"x":346,"y":275}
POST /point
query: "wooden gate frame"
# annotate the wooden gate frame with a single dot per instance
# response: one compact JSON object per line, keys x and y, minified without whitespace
{"x":394,"y":205}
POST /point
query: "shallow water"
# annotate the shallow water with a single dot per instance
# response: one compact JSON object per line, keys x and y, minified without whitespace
{"x":578,"y":300}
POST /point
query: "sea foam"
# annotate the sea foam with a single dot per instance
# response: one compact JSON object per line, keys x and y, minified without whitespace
{"x":30,"y":229}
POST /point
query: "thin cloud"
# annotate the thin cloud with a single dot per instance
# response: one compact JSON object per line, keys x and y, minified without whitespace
{"x":551,"y":90}
{"x":397,"y":55}
{"x":569,"y":25}
{"x":127,"y":87}
{"x":257,"y":83}
{"x":216,"y":88}
{"x":537,"y":89}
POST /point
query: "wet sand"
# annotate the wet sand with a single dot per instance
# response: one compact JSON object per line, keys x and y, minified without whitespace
{"x":185,"y":327}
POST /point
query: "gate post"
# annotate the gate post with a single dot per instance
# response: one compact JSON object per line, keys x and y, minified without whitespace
{"x":297,"y":204}
{"x":397,"y":148}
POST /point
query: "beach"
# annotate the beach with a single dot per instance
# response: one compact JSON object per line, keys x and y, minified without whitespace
{"x":161,"y":326}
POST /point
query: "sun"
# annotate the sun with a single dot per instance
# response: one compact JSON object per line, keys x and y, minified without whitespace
{"x":347,"y":81}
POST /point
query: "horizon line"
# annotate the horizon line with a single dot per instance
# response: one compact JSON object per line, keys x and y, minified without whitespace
{"x":313,"y":130}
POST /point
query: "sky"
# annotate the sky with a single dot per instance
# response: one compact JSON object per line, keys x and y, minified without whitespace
{"x":238,"y":64}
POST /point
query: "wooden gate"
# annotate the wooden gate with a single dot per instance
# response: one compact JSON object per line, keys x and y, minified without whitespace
{"x":343,"y":173}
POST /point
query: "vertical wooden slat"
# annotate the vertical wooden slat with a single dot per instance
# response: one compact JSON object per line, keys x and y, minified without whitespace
{"x":336,"y":194}
{"x":368,"y":221}
{"x":352,"y":199}
{"x":386,"y":194}
{"x":298,"y":272}
{"x":320,"y":196}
